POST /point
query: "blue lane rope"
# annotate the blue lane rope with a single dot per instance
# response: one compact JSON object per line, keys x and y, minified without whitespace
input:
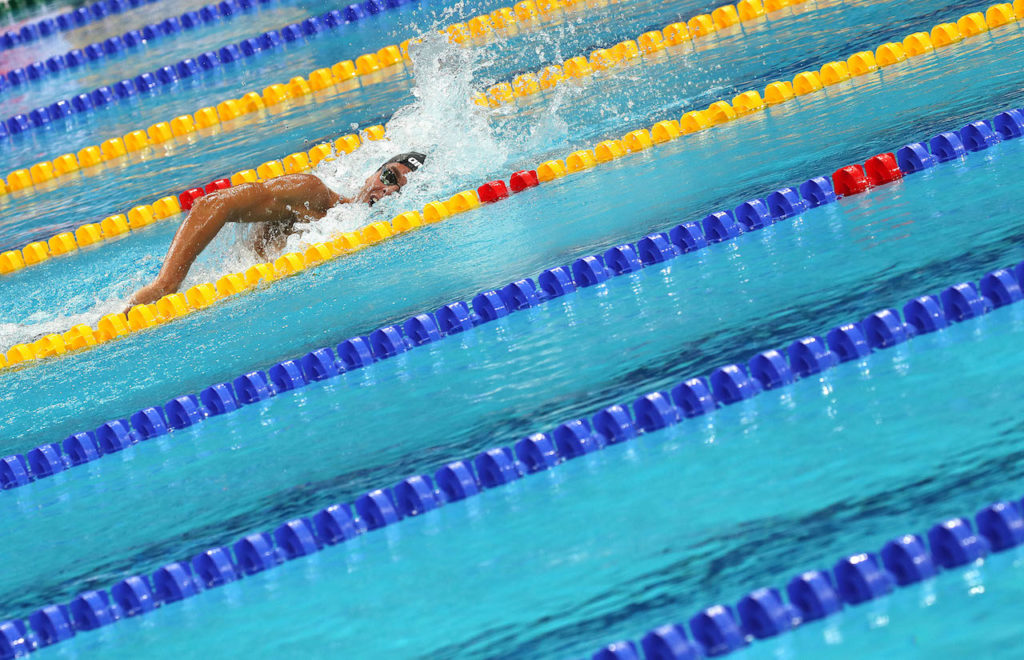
{"x":170,"y":26}
{"x":167,"y":75}
{"x":67,"y":21}
{"x":762,"y":613}
{"x":457,"y":317}
{"x":816,"y":594}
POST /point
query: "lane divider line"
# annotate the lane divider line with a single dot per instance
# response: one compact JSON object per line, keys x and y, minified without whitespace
{"x":817,"y":594}
{"x":717,"y":113}
{"x":457,"y":317}
{"x":859,"y":578}
{"x":647,"y":45}
{"x":173,"y":25}
{"x":70,"y":20}
{"x":68,"y":241}
{"x":364,"y":70}
{"x":979,"y":135}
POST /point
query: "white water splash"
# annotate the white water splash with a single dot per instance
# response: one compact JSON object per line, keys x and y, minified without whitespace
{"x":442,"y":122}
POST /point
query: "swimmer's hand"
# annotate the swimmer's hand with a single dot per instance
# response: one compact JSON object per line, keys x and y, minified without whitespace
{"x":150,"y":293}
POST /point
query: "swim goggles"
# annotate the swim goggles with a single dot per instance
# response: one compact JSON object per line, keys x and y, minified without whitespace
{"x":388,"y":177}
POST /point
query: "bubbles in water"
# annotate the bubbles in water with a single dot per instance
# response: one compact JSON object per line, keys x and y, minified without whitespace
{"x":108,"y":300}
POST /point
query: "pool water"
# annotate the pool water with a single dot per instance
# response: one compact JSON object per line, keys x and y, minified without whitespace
{"x":600,"y":548}
{"x":605,"y":545}
{"x":811,"y":33}
{"x":430,"y":270}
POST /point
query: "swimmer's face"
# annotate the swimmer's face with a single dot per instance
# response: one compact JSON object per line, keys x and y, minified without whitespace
{"x":386,"y":181}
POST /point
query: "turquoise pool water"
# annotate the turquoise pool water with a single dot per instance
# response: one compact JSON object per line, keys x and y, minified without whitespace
{"x":437,"y":265}
{"x":603,"y":547}
{"x":611,"y":544}
{"x":606,"y":105}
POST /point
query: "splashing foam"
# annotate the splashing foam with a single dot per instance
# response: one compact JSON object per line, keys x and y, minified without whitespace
{"x":442,"y":122}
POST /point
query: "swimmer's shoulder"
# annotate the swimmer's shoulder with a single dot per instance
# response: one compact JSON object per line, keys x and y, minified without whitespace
{"x":305,"y":188}
{"x":246,"y":202}
{"x":280,"y":193}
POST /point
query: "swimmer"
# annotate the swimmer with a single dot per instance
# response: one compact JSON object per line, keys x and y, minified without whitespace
{"x":278,"y":204}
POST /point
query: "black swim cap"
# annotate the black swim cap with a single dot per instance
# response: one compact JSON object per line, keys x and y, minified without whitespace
{"x":411,"y":159}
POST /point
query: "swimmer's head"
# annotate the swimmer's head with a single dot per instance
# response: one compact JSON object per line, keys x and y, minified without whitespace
{"x":390,"y":177}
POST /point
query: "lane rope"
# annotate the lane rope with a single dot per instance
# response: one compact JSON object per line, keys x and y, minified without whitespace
{"x":878,"y":331}
{"x":762,"y":613}
{"x":57,"y":64}
{"x":815,"y":594}
{"x":366,"y":69}
{"x":976,"y":136}
{"x":67,"y":241}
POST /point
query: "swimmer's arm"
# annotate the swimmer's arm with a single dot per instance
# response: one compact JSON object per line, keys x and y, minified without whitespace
{"x":250,"y":202}
{"x":268,"y":202}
